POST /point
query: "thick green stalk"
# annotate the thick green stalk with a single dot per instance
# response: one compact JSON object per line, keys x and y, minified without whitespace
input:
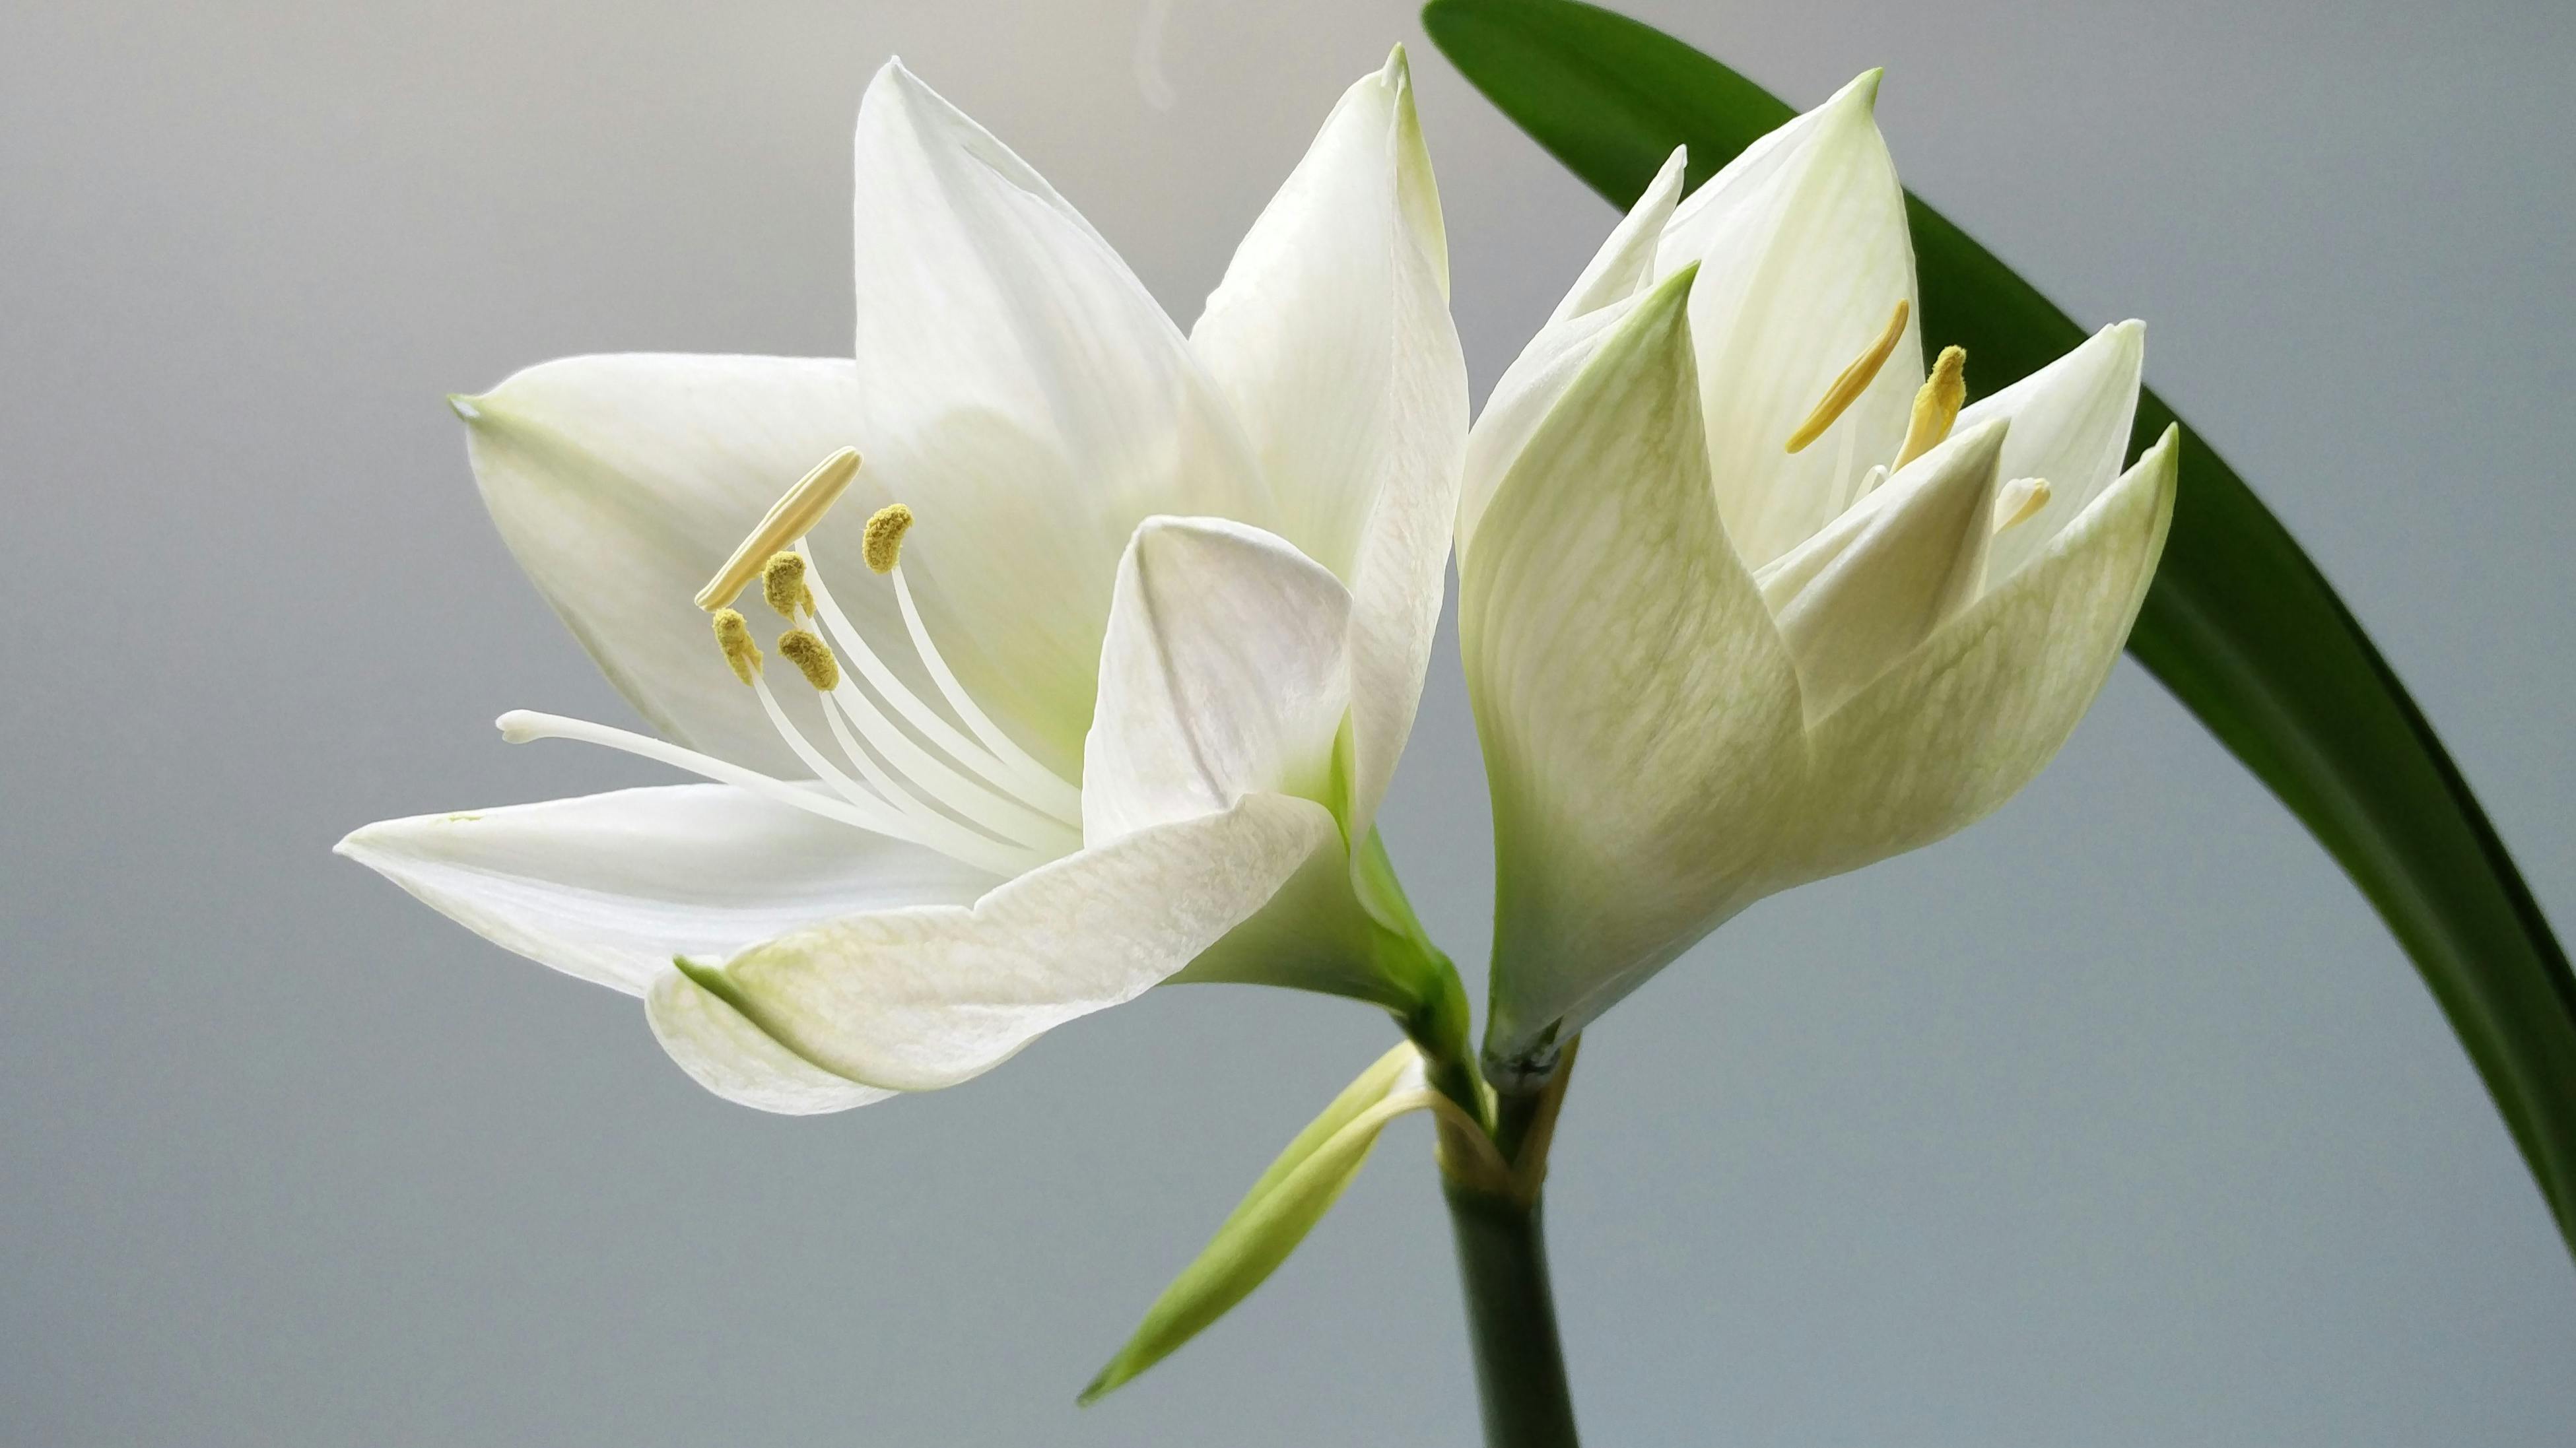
{"x":1502,"y":1264}
{"x":1511,"y":1320}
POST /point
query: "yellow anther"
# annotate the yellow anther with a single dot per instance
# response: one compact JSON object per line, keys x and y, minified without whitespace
{"x":2018,"y":499}
{"x":812,"y":658}
{"x":733,"y":636}
{"x":790,"y":518}
{"x":885,"y":536}
{"x":1937,"y":405}
{"x":1854,"y":381}
{"x":783,"y":584}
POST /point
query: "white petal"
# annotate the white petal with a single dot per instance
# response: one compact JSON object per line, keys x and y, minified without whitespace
{"x":1625,"y":264}
{"x":1877,"y":581}
{"x":609,"y":887}
{"x":918,"y":999}
{"x":1630,"y":691}
{"x":1522,"y":399}
{"x":1618,"y":273}
{"x":1960,"y":726}
{"x":2070,"y":427}
{"x":729,"y":1056}
{"x":622,"y":482}
{"x":1025,"y":396}
{"x":1331,"y":336}
{"x":1226,"y":673}
{"x":1804,"y":254}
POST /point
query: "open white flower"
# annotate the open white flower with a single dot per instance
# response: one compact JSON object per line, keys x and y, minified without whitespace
{"x":1125,"y":697}
{"x":1746,"y":600}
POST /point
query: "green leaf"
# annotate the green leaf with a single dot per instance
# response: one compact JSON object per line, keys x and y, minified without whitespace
{"x":2240,"y":624}
{"x":1282,"y":1207}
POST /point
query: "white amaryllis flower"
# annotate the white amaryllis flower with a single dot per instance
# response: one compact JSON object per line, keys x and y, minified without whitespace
{"x":1746,"y":600}
{"x":1127,"y":694}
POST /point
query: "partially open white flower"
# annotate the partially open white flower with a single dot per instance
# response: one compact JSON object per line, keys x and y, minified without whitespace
{"x":1747,"y":600}
{"x":1122,"y":634}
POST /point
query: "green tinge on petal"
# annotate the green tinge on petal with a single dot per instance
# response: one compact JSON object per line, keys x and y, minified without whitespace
{"x":1300,"y":1185}
{"x":1342,"y":927}
{"x":1619,"y":780}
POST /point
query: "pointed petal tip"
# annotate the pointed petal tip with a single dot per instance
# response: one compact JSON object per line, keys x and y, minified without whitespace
{"x":1398,"y":71}
{"x":1985,"y":436}
{"x":2166,"y":453}
{"x":466,"y":406}
{"x":1863,"y":89}
{"x":1674,"y":290}
{"x":894,"y":75}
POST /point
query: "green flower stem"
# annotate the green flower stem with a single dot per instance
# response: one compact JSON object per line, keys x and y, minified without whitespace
{"x":1502,"y":1265}
{"x":1511,"y":1320}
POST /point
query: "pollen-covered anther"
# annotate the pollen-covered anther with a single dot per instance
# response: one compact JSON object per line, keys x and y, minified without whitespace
{"x":1937,"y":405}
{"x":783,"y":584}
{"x":790,"y":518}
{"x":1853,"y":381}
{"x":2017,"y":500}
{"x":733,"y":635}
{"x":812,"y":658}
{"x":884,"y":545}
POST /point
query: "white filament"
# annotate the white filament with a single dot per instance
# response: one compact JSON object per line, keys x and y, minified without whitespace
{"x":1017,"y":816}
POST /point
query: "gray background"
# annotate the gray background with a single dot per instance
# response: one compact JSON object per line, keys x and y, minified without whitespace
{"x":2117,"y":1120}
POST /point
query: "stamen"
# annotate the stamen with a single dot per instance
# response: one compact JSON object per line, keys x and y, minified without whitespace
{"x":782,"y":583}
{"x":1936,"y":406}
{"x":790,"y":518}
{"x":1033,"y":779}
{"x":733,"y":635}
{"x":2018,"y":499}
{"x":1010,"y":808}
{"x":1033,"y":784}
{"x":884,"y":545}
{"x":1855,"y":379}
{"x":999,"y":815}
{"x":812,"y":658}
{"x":946,"y":836}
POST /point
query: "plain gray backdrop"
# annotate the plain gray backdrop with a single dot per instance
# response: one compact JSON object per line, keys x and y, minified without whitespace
{"x":2117,"y":1120}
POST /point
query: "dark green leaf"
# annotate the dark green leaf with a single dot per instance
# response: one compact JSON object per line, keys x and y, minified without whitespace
{"x":2240,"y":624}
